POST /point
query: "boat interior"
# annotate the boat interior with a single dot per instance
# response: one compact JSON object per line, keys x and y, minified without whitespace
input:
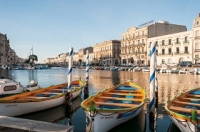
{"x":120,"y":97}
{"x":186,"y":102}
{"x":44,"y":93}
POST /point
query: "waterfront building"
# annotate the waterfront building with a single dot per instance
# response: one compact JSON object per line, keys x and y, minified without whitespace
{"x":172,"y":48}
{"x":107,"y":53}
{"x":61,"y":59}
{"x":177,"y":47}
{"x":75,"y":59}
{"x":196,"y":37}
{"x":134,"y":40}
{"x":82,"y":53}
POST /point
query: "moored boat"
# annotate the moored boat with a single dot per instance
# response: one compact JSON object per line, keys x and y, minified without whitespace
{"x":114,"y":106}
{"x":184,"y":111}
{"x":9,"y":87}
{"x":37,"y":100}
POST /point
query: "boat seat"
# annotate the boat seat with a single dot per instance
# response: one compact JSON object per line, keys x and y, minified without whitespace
{"x":186,"y":103}
{"x":131,"y":99}
{"x":140,"y":95}
{"x":126,"y":91}
{"x":116,"y":104}
{"x":34,"y":97}
{"x":49,"y":93}
{"x":193,"y":95}
{"x":182,"y":109}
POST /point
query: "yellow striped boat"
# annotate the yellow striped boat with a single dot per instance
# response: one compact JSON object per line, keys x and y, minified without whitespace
{"x":37,"y":100}
{"x":114,"y":106}
{"x":184,"y":111}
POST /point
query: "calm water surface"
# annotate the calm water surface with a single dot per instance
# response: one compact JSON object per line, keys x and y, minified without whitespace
{"x":169,"y":86}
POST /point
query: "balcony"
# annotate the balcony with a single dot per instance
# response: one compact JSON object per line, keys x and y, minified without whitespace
{"x":197,"y":37}
{"x":186,"y":43}
{"x":196,"y":50}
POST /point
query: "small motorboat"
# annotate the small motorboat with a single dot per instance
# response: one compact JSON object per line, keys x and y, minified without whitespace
{"x":9,"y":87}
{"x":37,"y":100}
{"x":184,"y":111}
{"x":114,"y":106}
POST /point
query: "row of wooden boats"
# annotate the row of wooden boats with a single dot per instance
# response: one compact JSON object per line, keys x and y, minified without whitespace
{"x":107,"y":108}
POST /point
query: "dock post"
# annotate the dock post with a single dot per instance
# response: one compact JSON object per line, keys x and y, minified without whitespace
{"x":87,"y":76}
{"x":70,"y":66}
{"x":152,"y":87}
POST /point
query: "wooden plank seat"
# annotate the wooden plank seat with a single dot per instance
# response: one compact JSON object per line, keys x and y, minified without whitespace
{"x":193,"y":95}
{"x":131,"y":99}
{"x":189,"y":98}
{"x":181,"y":109}
{"x":130,"y":94}
{"x":186,"y":103}
{"x":34,"y":97}
{"x":131,"y":91}
{"x":115,"y":104}
{"x":48,"y":93}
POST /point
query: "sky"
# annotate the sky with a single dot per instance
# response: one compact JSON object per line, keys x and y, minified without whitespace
{"x":52,"y":26}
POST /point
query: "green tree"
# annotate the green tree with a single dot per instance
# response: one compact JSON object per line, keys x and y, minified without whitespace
{"x":31,"y":59}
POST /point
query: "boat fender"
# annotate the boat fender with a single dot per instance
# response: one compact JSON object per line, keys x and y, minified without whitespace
{"x":92,"y":109}
{"x":193,"y":116}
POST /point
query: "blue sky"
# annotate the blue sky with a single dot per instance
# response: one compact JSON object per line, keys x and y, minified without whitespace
{"x":52,"y":26}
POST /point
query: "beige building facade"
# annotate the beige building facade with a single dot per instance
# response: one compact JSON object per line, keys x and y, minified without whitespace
{"x":196,"y":37}
{"x":134,"y":40}
{"x":178,"y":47}
{"x":107,"y":53}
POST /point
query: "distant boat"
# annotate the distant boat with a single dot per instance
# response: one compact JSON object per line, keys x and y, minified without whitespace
{"x":114,"y":106}
{"x":37,"y":100}
{"x":184,"y":111}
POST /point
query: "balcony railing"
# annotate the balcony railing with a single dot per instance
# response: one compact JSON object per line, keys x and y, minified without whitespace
{"x":197,"y":37}
{"x":197,"y":50}
{"x":177,"y":42}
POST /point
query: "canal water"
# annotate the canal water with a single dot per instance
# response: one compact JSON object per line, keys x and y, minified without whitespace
{"x":169,"y":85}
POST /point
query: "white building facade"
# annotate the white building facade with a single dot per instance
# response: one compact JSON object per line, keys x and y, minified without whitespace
{"x":172,"y":48}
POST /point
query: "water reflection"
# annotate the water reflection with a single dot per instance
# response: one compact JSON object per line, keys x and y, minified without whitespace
{"x":169,"y":85}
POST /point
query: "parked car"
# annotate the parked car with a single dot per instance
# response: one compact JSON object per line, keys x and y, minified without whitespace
{"x":186,"y":63}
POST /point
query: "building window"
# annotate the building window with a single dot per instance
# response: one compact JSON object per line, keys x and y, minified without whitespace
{"x":177,"y":40}
{"x":186,"y":49}
{"x":186,"y":39}
{"x":163,"y":42}
{"x":142,"y":41}
{"x":177,"y":50}
{"x":170,"y":51}
{"x":156,"y":43}
{"x":197,"y":22}
{"x":156,"y":52}
{"x":138,"y":41}
{"x":142,"y":33}
{"x":150,"y":45}
{"x":170,"y":41}
{"x":163,"y":51}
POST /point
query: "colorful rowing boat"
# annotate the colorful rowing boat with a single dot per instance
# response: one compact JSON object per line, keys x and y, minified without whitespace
{"x":184,"y":111}
{"x":114,"y":106}
{"x":37,"y":100}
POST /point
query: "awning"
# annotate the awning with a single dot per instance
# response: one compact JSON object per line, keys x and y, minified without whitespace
{"x":196,"y":58}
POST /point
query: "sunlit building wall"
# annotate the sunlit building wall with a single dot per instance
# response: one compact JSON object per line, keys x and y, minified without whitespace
{"x":134,"y":40}
{"x":107,"y":53}
{"x":173,"y":48}
{"x":196,"y":37}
